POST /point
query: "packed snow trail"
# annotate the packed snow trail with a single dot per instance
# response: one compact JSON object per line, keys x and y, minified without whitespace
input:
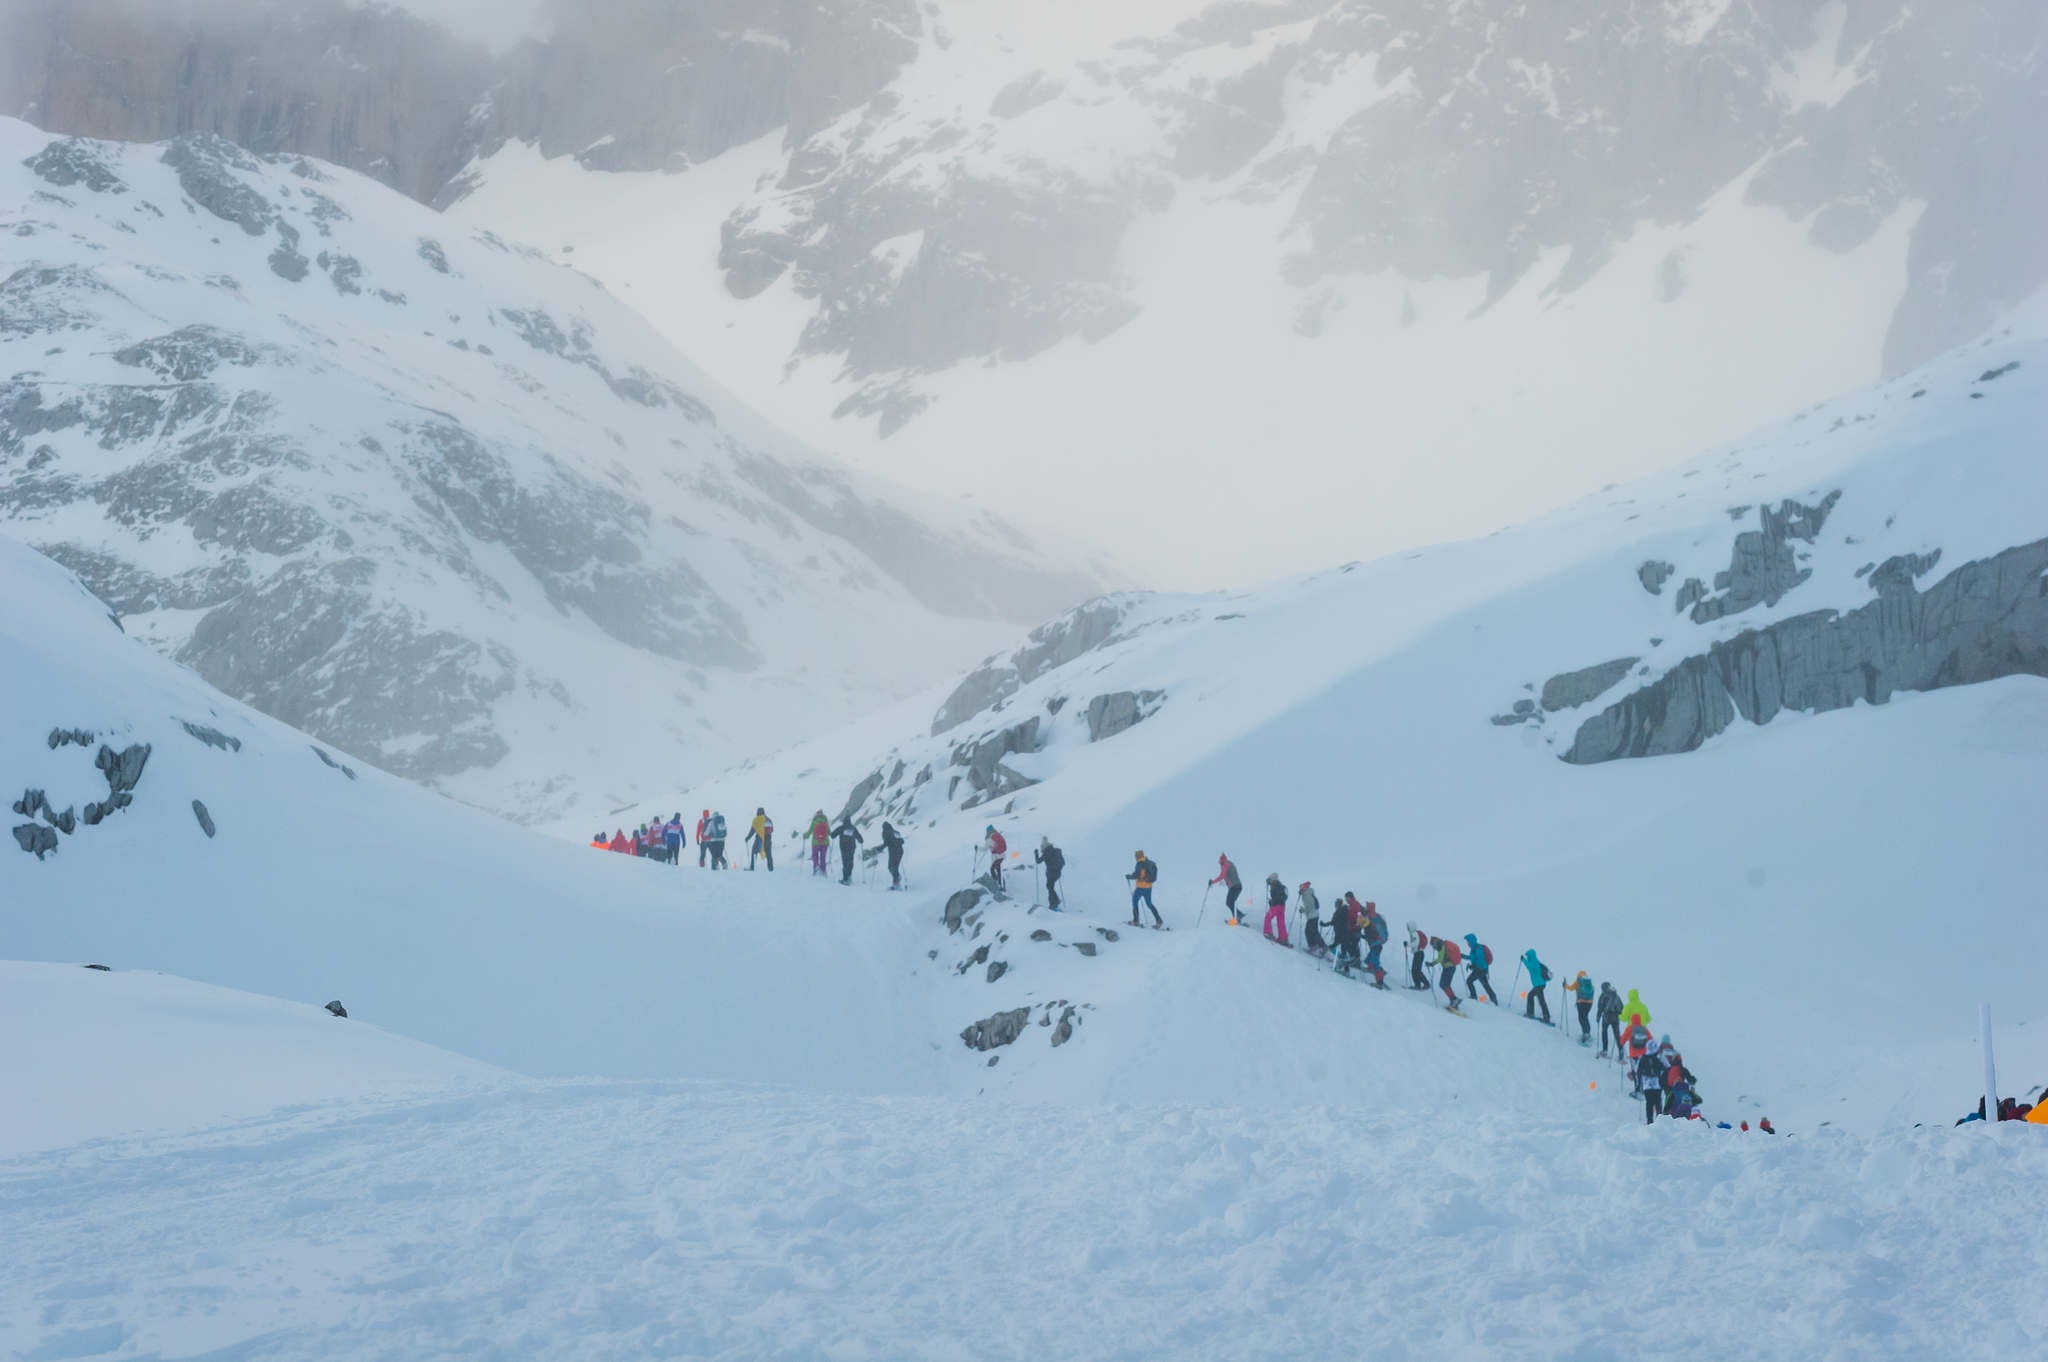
{"x":611,"y":1220}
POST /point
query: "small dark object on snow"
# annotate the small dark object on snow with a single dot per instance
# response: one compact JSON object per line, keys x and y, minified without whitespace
{"x":337,"y":1009}
{"x":996,"y":1030}
{"x":1085,"y":947}
{"x":103,"y":969}
{"x":1041,"y":935}
{"x":1106,"y":933}
{"x":205,"y":819}
{"x":997,"y":969}
{"x":345,"y":770}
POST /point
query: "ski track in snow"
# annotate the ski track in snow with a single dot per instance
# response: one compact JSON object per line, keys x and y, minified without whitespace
{"x":577,"y":1220}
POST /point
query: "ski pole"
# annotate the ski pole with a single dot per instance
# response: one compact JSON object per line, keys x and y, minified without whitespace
{"x":1205,"y":904}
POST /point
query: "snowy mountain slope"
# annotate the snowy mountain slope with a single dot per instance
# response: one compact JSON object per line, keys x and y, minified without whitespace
{"x":601,"y":1221}
{"x":309,"y":878}
{"x":101,"y":1055}
{"x":443,"y":504}
{"x":1324,"y":263}
{"x":1760,"y":736}
{"x":1229,"y":1153}
{"x":1318,"y":262}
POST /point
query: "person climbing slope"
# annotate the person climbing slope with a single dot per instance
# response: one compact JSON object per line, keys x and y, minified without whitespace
{"x":1418,"y":945}
{"x":1650,"y":1071}
{"x":1634,"y":1009}
{"x":1447,"y":958}
{"x":1479,"y":969}
{"x":1610,"y":1018}
{"x":718,"y":861}
{"x":892,"y":844}
{"x":821,"y":837}
{"x":619,"y":842}
{"x":1343,"y":926}
{"x":1581,"y":991}
{"x":1226,"y":875}
{"x":703,"y":837}
{"x":997,"y":848}
{"x":1539,"y":977}
{"x":849,"y":838}
{"x":1276,"y":908}
{"x":1634,"y":1043}
{"x":1374,"y":928}
{"x":1055,"y":862}
{"x":1312,"y":930}
{"x":761,"y":838}
{"x":1142,"y":877}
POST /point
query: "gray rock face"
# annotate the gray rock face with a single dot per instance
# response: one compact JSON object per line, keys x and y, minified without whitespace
{"x":1109,"y":715}
{"x":35,"y":839}
{"x":1763,"y":566}
{"x":958,"y":906}
{"x":1985,"y":620}
{"x":995,"y":1031}
{"x":1063,"y":1031}
{"x":1573,"y":689}
{"x":335,"y":1008}
{"x":997,"y":969}
{"x":1653,"y":574}
{"x":982,"y":762}
{"x":205,"y":819}
{"x":1081,"y":630}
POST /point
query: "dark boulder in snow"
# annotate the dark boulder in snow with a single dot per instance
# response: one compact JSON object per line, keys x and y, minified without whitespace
{"x":1653,"y":573}
{"x":997,"y":969}
{"x":35,"y":839}
{"x":1085,"y":947}
{"x":1041,"y":935}
{"x":1000,"y":1029}
{"x":1064,"y":1031}
{"x":959,"y":906}
{"x":205,"y":819}
{"x":337,"y":1009}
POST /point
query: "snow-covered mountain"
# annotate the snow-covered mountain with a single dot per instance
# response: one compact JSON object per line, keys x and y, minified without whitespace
{"x":1760,"y":735}
{"x":445,"y":505}
{"x":1323,"y":259}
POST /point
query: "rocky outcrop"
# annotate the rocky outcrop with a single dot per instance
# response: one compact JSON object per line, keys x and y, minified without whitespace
{"x":1109,"y":715}
{"x":212,"y":737}
{"x":1985,"y":620}
{"x":982,"y":766}
{"x":1569,"y":690}
{"x":1763,"y":565}
{"x":1653,"y":573}
{"x":35,"y":839}
{"x":959,"y":905}
{"x":1080,"y":631}
{"x":199,"y":811}
{"x":995,"y":1031}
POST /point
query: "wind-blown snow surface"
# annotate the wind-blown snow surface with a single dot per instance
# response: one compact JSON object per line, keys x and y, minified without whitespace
{"x":438,"y":501}
{"x":94,"y":1055}
{"x":705,"y":1221}
{"x":1812,"y":906}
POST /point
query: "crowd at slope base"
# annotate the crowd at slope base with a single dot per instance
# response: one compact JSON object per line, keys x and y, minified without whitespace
{"x":662,"y":841}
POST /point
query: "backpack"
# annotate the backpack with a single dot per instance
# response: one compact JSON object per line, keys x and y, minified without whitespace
{"x":717,"y":827}
{"x":996,"y":845}
{"x":1485,"y":956}
{"x":1452,"y":955}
